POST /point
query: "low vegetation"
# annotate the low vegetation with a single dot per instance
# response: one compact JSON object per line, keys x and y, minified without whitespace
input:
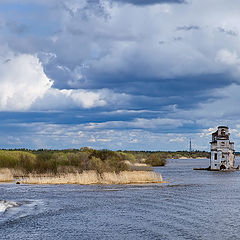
{"x":164,"y":155}
{"x":156,"y":160}
{"x":56,"y":162}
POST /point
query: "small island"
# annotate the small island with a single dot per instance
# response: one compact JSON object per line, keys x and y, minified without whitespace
{"x":85,"y":166}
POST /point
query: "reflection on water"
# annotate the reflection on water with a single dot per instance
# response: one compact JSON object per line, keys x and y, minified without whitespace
{"x":193,"y":205}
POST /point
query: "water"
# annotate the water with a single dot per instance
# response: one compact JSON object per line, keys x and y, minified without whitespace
{"x":194,"y":205}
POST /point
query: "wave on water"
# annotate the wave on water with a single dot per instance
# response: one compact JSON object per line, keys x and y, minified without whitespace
{"x":5,"y":205}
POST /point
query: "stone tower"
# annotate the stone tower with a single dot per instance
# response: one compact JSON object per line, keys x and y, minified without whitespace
{"x":222,"y":150}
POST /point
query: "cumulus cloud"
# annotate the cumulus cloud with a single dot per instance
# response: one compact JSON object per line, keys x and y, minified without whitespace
{"x":56,"y":99}
{"x":230,"y":61}
{"x":121,"y":65}
{"x":178,"y":139}
{"x":25,"y":86}
{"x":67,"y":136}
{"x":22,"y":82}
{"x":67,"y":99}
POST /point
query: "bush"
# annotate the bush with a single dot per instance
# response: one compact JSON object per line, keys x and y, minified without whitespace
{"x":17,"y":159}
{"x":156,"y":160}
{"x":98,"y":165}
{"x":115,"y":165}
{"x":127,"y":156}
{"x":80,"y":160}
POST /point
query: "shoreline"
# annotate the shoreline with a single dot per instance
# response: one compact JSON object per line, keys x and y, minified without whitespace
{"x":188,"y":158}
{"x":90,"y":178}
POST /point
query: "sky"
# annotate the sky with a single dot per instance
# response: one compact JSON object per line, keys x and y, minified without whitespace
{"x":118,"y":74}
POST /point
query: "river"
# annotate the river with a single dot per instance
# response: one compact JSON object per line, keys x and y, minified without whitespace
{"x":193,"y":205}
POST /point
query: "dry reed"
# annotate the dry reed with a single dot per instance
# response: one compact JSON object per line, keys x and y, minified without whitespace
{"x":92,"y":177}
{"x":6,"y":175}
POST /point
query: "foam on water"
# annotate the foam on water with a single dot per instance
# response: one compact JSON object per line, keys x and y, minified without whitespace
{"x":5,"y":205}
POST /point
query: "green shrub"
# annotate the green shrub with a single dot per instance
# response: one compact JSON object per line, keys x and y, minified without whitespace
{"x":79,"y":159}
{"x":116,"y":165}
{"x":17,"y":159}
{"x":156,"y":160}
{"x":98,"y":165}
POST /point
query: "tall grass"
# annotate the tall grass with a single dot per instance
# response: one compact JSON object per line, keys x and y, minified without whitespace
{"x":127,"y":177}
{"x":6,"y":175}
{"x":93,"y":177}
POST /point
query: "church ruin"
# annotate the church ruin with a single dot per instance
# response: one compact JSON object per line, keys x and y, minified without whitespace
{"x":222,"y":150}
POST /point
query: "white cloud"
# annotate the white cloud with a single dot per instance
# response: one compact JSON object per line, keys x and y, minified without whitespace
{"x":46,"y":57}
{"x":43,"y":135}
{"x":230,"y":61}
{"x":22,"y":81}
{"x":178,"y":139}
{"x":227,"y":57}
{"x":24,"y":86}
{"x":207,"y":132}
{"x":86,"y":99}
{"x":56,"y":99}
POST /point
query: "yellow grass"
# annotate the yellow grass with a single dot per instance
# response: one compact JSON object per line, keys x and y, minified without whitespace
{"x":92,"y":177}
{"x":138,"y":166}
{"x":6,"y":175}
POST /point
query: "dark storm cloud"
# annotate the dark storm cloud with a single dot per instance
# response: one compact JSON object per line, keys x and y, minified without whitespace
{"x":153,"y":86}
{"x":156,"y":93}
{"x":150,"y":2}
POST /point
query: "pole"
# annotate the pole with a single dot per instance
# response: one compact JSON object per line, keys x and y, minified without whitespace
{"x":190,"y":146}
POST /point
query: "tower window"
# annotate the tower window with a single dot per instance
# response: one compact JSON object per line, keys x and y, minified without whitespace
{"x":215,"y":156}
